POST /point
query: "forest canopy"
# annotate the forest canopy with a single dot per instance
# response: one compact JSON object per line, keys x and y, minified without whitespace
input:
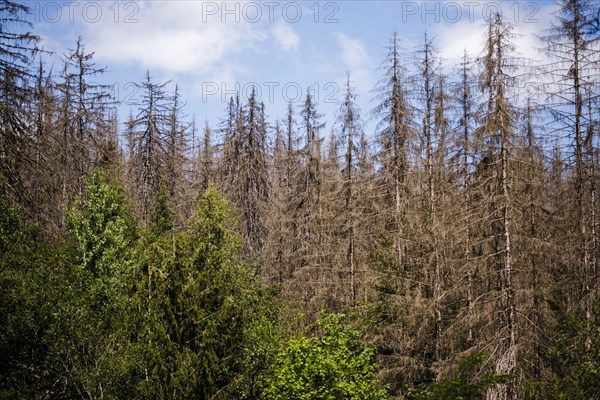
{"x":449,"y":253}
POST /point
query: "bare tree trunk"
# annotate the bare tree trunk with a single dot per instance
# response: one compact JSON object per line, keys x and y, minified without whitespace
{"x":511,"y":361}
{"x":350,"y":205}
{"x":434,"y":256}
{"x":465,"y":101}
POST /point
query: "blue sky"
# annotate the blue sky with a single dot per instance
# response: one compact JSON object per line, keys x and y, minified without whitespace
{"x":213,"y":48}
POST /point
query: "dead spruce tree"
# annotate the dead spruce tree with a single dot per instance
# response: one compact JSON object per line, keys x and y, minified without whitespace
{"x":573,"y":68}
{"x":148,"y":135}
{"x":177,"y":173}
{"x":17,"y":50}
{"x":350,"y":135}
{"x":246,"y":178}
{"x":498,"y":132}
{"x":399,"y":294}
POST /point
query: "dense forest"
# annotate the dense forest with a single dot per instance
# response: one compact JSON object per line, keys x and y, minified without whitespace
{"x":451,"y":253}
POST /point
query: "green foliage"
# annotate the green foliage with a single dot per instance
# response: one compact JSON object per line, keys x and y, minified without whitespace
{"x":29,"y":273}
{"x":333,"y":365}
{"x":101,"y":227}
{"x":9,"y":218}
{"x":90,"y":337}
{"x":162,"y":215}
{"x":575,"y":357}
{"x":174,"y":314}
{"x":197,"y":307}
{"x":470,"y":384}
{"x":102,"y":231}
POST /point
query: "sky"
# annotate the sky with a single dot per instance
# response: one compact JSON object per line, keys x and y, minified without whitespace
{"x":213,"y":49}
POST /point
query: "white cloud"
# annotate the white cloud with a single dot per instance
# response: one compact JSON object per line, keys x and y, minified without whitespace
{"x":353,"y":50}
{"x":286,"y":38}
{"x":356,"y":60}
{"x":453,"y":38}
{"x":172,"y":37}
